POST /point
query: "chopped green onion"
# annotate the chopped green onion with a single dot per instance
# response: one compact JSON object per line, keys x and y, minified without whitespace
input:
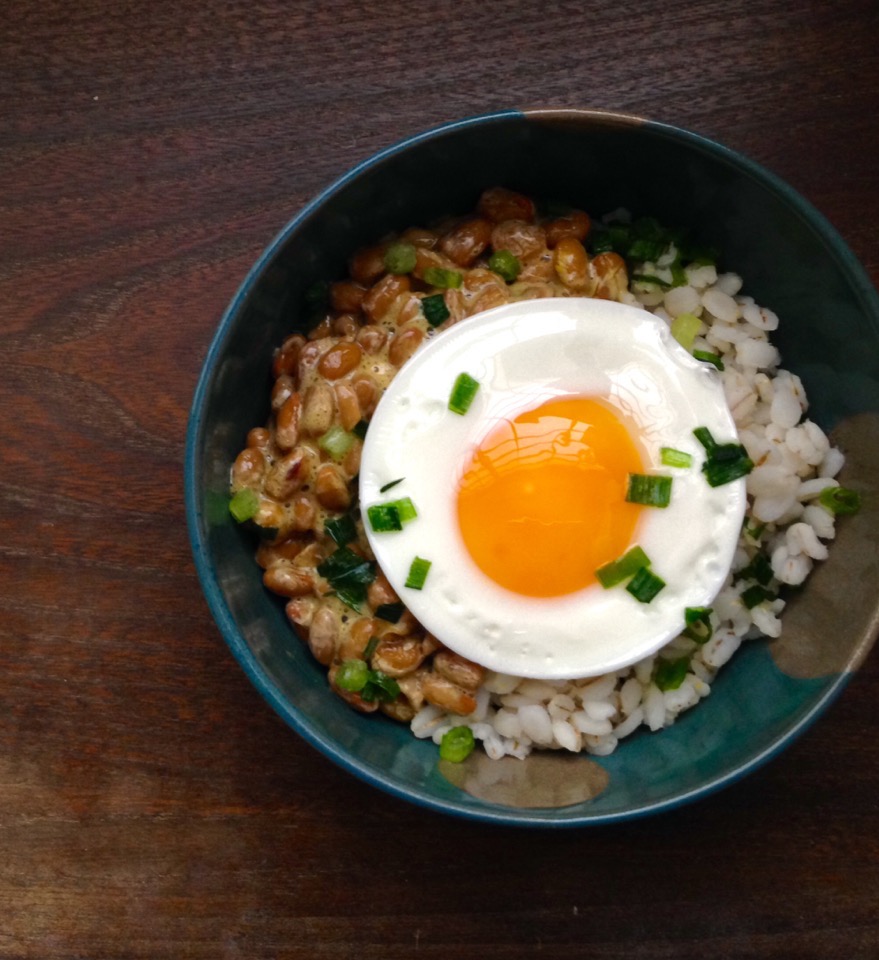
{"x":708,"y":357}
{"x":435,"y":310}
{"x":506,"y":264}
{"x":755,"y":595}
{"x":352,"y":676}
{"x":440,"y":277}
{"x":674,"y":458}
{"x":336,"y":442}
{"x":650,"y":279}
{"x":643,"y":240}
{"x":725,"y":452}
{"x":703,"y":435}
{"x":726,"y":461}
{"x":389,"y":611}
{"x":384,"y":517}
{"x":457,"y":744}
{"x":463,"y":392}
{"x":698,"y":624}
{"x":341,"y":530}
{"x":356,"y":677}
{"x":684,"y":328}
{"x":645,"y":585}
{"x":678,"y":274}
{"x":719,"y":472}
{"x":840,"y":500}
{"x":651,"y":490}
{"x":400,"y":257}
{"x":370,"y":648}
{"x":345,"y":568}
{"x":649,"y":240}
{"x":352,"y":595}
{"x":359,"y":429}
{"x":670,"y":674}
{"x":418,"y":573}
{"x":756,"y":531}
{"x":610,"y":574}
{"x":379,"y":686}
{"x":244,"y":504}
{"x":405,"y":509}
{"x":759,"y":569}
{"x":391,"y":485}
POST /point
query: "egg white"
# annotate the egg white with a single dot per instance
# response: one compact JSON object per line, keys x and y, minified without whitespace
{"x":524,"y":354}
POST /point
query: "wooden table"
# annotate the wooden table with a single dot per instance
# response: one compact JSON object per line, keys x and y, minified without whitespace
{"x":151,"y":804}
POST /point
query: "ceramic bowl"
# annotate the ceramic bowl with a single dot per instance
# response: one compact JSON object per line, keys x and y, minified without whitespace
{"x":792,"y":260}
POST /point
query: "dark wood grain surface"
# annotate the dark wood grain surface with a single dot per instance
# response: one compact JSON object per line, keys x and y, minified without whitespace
{"x":151,"y":805}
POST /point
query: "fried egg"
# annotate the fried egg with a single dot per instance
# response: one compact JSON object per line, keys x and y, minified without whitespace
{"x":522,"y":498}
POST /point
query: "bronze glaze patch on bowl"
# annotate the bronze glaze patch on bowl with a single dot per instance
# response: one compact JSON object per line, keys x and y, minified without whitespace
{"x":828,"y":626}
{"x":542,"y":781}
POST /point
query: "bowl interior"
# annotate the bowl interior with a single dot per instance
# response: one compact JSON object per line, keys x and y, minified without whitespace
{"x":792,"y":261}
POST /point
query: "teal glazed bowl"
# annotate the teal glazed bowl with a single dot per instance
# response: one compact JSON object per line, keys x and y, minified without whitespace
{"x":792,"y":260}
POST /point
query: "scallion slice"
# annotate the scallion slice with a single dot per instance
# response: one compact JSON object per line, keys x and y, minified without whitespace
{"x":352,"y":595}
{"x":505,"y":264}
{"x":610,"y":574}
{"x":443,"y":278}
{"x":463,"y":392}
{"x":379,"y":686}
{"x":244,"y":504}
{"x":418,"y":573}
{"x":406,"y":509}
{"x":400,"y":257}
{"x":704,"y":436}
{"x":391,"y":485}
{"x":344,"y":567}
{"x":726,"y":461}
{"x":457,"y":744}
{"x":674,"y":458}
{"x":670,"y":674}
{"x":390,"y":516}
{"x":384,"y":517}
{"x":756,"y":595}
{"x":759,"y":569}
{"x":719,"y":472}
{"x":647,"y":278}
{"x":707,"y":357}
{"x":698,"y":624}
{"x":684,"y":328}
{"x":651,"y":490}
{"x":352,"y":675}
{"x":370,"y":648}
{"x":756,"y":531}
{"x":336,"y":442}
{"x":645,"y":585}
{"x":355,"y":676}
{"x":435,"y":310}
{"x":678,"y":274}
{"x":341,"y":530}
{"x":840,"y":500}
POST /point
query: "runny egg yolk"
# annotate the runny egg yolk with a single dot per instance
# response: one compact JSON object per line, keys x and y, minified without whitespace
{"x":541,"y":505}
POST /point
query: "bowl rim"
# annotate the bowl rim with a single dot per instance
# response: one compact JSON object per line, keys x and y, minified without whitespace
{"x":293,"y":717}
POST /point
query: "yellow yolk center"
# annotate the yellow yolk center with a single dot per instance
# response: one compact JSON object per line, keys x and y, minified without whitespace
{"x":542,"y":503}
